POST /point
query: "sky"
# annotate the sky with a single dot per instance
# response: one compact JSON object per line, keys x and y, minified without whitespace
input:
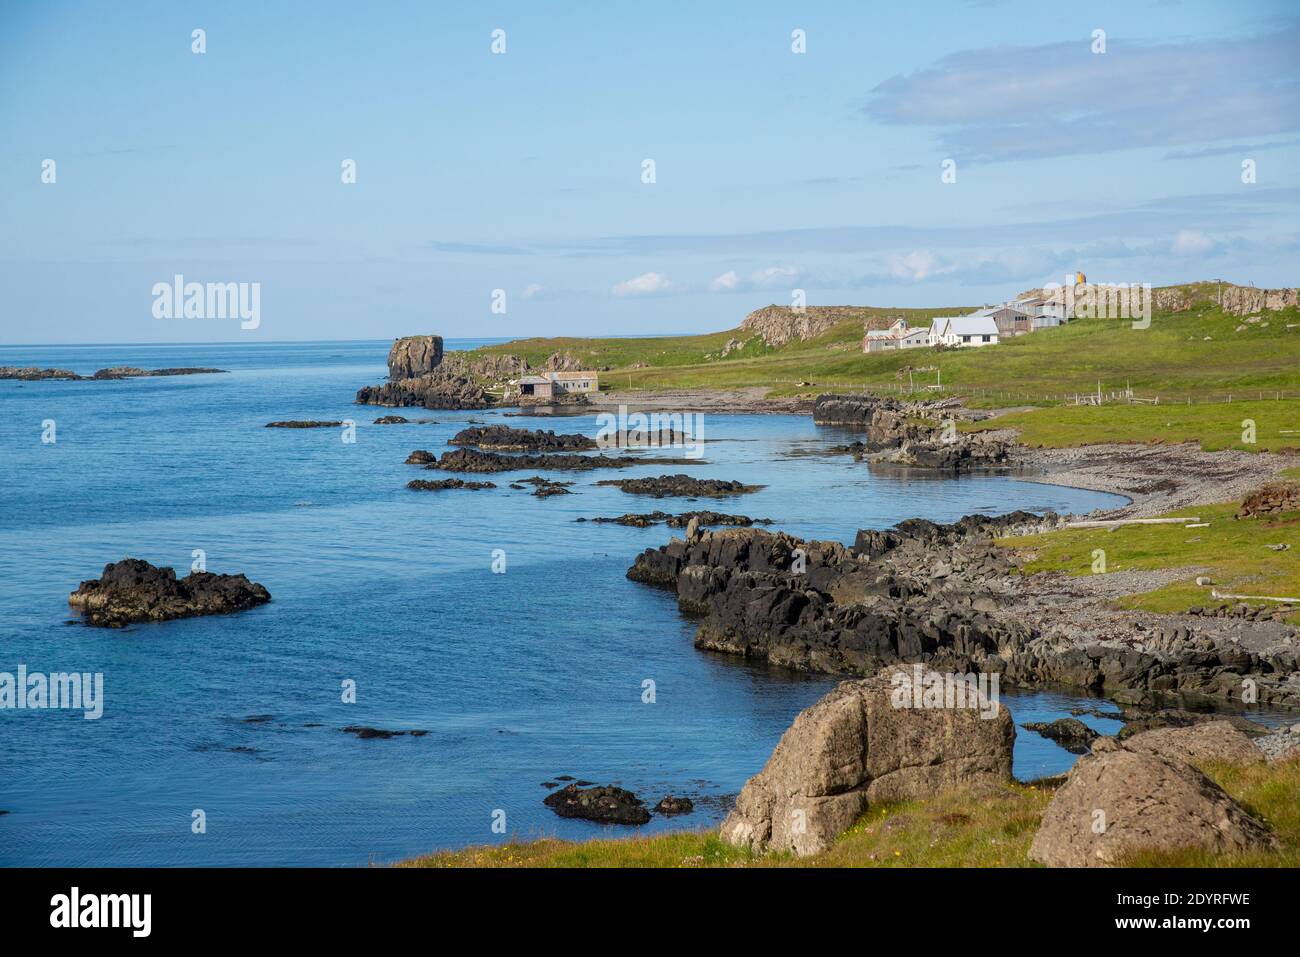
{"x":937,"y":154}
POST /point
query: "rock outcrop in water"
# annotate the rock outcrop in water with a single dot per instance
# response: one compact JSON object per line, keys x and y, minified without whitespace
{"x":133,"y":590}
{"x":302,"y":424}
{"x":606,"y":805}
{"x":473,"y":460}
{"x":917,"y":434}
{"x":679,"y":486}
{"x":34,"y":373}
{"x":646,"y":519}
{"x":414,"y":356}
{"x":421,"y":374}
{"x":857,"y":746}
{"x":503,"y":438}
{"x":421,"y":485}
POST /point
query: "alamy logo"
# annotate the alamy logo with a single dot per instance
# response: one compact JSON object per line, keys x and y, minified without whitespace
{"x":179,"y":299}
{"x":931,"y":690}
{"x":71,"y":690}
{"x":103,"y":910}
{"x":1104,"y":300}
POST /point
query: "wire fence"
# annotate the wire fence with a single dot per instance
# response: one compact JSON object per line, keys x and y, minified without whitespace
{"x":1101,"y":396}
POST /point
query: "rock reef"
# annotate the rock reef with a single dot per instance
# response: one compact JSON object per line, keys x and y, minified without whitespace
{"x":133,"y":590}
{"x":35,"y":373}
{"x":679,"y":486}
{"x":606,"y":805}
{"x":502,"y":438}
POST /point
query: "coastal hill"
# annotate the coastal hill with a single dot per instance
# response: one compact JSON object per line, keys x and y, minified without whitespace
{"x":1207,"y":341}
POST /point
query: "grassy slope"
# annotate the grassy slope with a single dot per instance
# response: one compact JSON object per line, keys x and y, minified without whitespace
{"x":1232,"y":552}
{"x":1172,"y":359}
{"x":959,"y":829}
{"x":1218,"y":425}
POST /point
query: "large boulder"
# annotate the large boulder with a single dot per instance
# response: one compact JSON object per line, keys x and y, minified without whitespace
{"x":413,"y":356}
{"x":1205,"y":741}
{"x":1118,"y":801}
{"x":855,"y":747}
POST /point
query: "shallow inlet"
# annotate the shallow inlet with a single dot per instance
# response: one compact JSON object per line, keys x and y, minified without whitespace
{"x":518,"y":677}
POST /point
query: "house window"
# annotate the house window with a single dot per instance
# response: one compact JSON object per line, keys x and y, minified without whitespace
{"x":988,"y":338}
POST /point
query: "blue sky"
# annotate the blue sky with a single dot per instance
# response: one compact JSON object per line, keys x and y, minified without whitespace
{"x":523,"y":171}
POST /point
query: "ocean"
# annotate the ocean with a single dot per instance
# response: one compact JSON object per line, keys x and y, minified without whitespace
{"x":518,"y":677}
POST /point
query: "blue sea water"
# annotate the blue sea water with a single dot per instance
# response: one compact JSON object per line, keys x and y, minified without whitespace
{"x":517,"y":677}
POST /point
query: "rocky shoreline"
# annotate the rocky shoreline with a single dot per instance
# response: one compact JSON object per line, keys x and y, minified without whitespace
{"x":947,"y":596}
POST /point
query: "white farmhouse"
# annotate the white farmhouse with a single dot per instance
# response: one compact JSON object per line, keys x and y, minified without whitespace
{"x":977,"y":329}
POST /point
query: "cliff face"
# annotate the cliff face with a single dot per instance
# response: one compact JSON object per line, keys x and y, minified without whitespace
{"x":779,"y":325}
{"x":1233,"y":299}
{"x":413,"y":356}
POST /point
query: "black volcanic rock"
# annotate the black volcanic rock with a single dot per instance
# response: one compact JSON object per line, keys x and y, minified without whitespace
{"x":133,"y":590}
{"x":683,"y":486}
{"x":34,"y":373}
{"x":421,"y":485}
{"x":502,"y":438}
{"x":672,"y":806}
{"x":367,"y":733}
{"x":646,"y":519}
{"x":607,"y":805}
{"x":472,"y":460}
{"x":302,"y":424}
{"x":1070,"y":733}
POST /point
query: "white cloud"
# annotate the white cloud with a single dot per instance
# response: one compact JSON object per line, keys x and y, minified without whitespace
{"x":646,"y":284}
{"x":1018,"y":102}
{"x":727,"y":282}
{"x":532,"y":289}
{"x":917,"y":265}
{"x":774,"y":276}
{"x":1191,"y":242}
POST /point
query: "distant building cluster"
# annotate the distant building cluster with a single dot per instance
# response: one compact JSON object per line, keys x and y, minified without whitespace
{"x":984,"y":327}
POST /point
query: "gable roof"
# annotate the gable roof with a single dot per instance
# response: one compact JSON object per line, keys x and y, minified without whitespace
{"x":974,"y":325}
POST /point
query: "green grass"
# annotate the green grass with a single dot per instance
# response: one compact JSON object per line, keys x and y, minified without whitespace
{"x":1196,"y":353}
{"x":1267,"y":791}
{"x":958,"y":829}
{"x":1221,"y":425}
{"x":1232,"y":552}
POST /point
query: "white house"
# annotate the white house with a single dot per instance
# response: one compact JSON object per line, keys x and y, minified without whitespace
{"x":977,"y":329}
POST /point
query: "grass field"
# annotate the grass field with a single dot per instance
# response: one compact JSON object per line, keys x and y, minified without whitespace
{"x":959,"y":829}
{"x":1234,"y":553}
{"x":1250,"y":426}
{"x":1198,"y":353}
